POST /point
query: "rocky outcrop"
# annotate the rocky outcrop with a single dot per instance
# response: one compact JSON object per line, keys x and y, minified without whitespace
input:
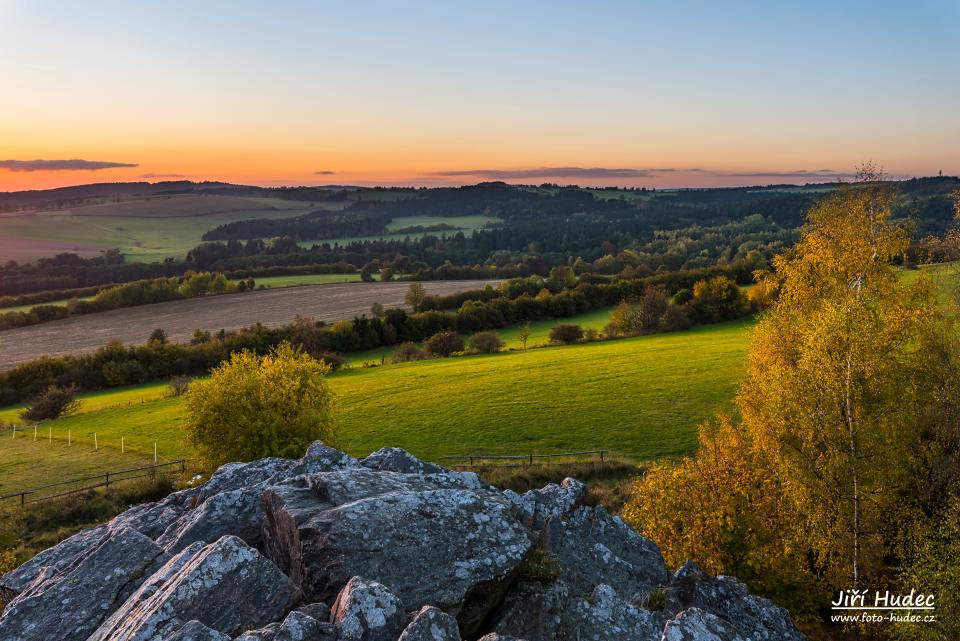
{"x":405,"y":550}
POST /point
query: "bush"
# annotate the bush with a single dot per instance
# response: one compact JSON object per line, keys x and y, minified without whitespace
{"x":444,"y":343}
{"x":407,"y":352}
{"x":54,"y":402}
{"x":179,"y":385}
{"x":486,"y":343}
{"x":252,"y":407}
{"x":566,"y":333}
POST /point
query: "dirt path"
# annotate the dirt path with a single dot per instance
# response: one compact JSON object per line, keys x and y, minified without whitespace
{"x":272,"y":307}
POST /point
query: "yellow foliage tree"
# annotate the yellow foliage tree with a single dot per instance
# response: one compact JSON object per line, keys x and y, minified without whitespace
{"x":846,"y":374}
{"x":257,"y":406}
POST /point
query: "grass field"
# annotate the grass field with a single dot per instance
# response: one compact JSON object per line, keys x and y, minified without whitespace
{"x":641,"y":397}
{"x":145,"y":229}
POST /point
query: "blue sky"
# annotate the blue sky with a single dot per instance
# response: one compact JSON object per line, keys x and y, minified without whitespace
{"x":423,"y":91}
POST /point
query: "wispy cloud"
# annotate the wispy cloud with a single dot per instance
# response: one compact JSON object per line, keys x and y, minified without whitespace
{"x":326,"y":172}
{"x":799,"y":173}
{"x":548,"y":172}
{"x":61,"y":165}
{"x":161,"y":176}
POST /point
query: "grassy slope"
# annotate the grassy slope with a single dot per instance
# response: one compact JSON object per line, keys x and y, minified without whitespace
{"x":642,"y":397}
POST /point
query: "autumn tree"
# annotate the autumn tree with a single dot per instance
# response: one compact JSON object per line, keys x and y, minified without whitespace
{"x":847,"y":374}
{"x":415,"y":295}
{"x":524,"y":335}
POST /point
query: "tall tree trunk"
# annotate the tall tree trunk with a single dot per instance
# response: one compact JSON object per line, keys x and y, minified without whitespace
{"x":854,"y":470}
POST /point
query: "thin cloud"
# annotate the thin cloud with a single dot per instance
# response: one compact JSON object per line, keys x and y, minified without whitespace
{"x":324,"y":173}
{"x":161,"y":176}
{"x":61,"y":165}
{"x":548,"y":172}
{"x":799,"y":173}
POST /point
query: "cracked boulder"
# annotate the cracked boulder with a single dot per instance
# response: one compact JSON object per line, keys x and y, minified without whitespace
{"x":227,"y":585}
{"x":590,"y":547}
{"x":463,"y":544}
{"x":431,"y":624}
{"x":73,"y":602}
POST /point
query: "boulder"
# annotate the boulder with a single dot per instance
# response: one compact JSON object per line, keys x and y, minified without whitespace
{"x":148,"y":588}
{"x":753,"y":617}
{"x":463,"y":544}
{"x":549,"y":613}
{"x":235,"y":476}
{"x":695,"y":624}
{"x":394,"y":459}
{"x":548,"y":502}
{"x":228,"y":586}
{"x":367,"y":611}
{"x":590,"y":547}
{"x":299,"y":625}
{"x":320,"y":457}
{"x":431,"y":624}
{"x":196,"y":631}
{"x":493,"y":636}
{"x":72,"y":603}
{"x":236,"y":512}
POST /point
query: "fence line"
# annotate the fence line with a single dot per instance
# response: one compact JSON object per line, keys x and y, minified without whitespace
{"x":471,"y":460}
{"x":107,"y":478}
{"x":104,"y":480}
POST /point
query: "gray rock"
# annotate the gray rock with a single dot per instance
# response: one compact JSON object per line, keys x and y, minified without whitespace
{"x":607,"y":617}
{"x":753,"y":617}
{"x":151,"y":519}
{"x":548,"y":502}
{"x":549,"y":613}
{"x":148,"y":588}
{"x":493,"y":636}
{"x":463,"y":544}
{"x":72,"y":603}
{"x":591,"y":547}
{"x":320,"y":457}
{"x":431,"y":624}
{"x":297,"y":626}
{"x":536,"y":611}
{"x":699,"y":625}
{"x":394,"y":459}
{"x":235,"y":476}
{"x":367,"y":611}
{"x":227,"y":586}
{"x":236,"y":512}
{"x":196,"y":631}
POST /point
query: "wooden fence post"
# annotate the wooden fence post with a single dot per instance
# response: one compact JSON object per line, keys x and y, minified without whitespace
{"x":108,"y":480}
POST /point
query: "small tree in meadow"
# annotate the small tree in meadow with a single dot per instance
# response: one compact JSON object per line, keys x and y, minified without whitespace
{"x":444,"y":343}
{"x":415,"y":296}
{"x":566,"y":333}
{"x":257,"y":406}
{"x":524,"y":335}
{"x":53,"y":402}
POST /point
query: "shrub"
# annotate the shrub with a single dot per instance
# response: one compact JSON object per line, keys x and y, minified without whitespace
{"x":486,"y":342}
{"x":674,"y":319}
{"x":444,"y":343}
{"x":717,"y":299}
{"x":252,"y":407}
{"x":566,"y":333}
{"x":179,"y":385}
{"x":158,"y":336}
{"x":53,"y":402}
{"x":407,"y":352}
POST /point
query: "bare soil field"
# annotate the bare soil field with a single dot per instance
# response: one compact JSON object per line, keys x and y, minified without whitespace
{"x":179,"y":319}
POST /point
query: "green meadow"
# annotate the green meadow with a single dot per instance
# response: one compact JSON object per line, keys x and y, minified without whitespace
{"x":640,"y":397}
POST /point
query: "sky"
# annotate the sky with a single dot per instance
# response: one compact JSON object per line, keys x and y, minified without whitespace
{"x":656,"y":94}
